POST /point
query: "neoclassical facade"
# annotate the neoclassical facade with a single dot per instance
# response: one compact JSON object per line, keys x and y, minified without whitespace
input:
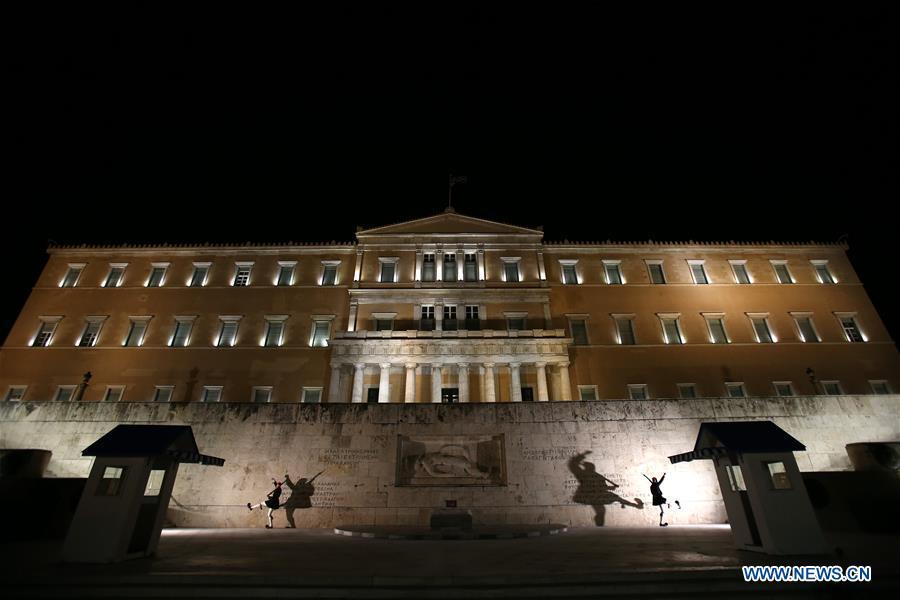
{"x":448,"y":308}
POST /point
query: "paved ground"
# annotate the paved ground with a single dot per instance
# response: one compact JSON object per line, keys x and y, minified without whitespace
{"x":583,"y":562}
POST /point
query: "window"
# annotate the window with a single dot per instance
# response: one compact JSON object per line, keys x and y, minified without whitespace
{"x":384,"y":321}
{"x":113,"y":393}
{"x":671,"y":329}
{"x":428,"y":270}
{"x":473,"y":320}
{"x":782,"y":275}
{"x":471,"y":267}
{"x":687,"y":390}
{"x":625,"y":329}
{"x":515,"y":321}
{"x":15,"y":393}
{"x":736,"y":478}
{"x":157,"y":275}
{"x":242,"y":274}
{"x":578,"y":327}
{"x":426,"y":322}
{"x":274,"y":330}
{"x":450,"y":323}
{"x":657,"y":275}
{"x":64,"y":393}
{"x":832,"y":388}
{"x":716,"y":326}
{"x":155,"y":482}
{"x":388,"y":270}
{"x":880,"y":386}
{"x":822,"y":272}
{"x":329,"y":272}
{"x":805,"y":327}
{"x":761,"y":328}
{"x":114,"y":278}
{"x":510,"y":270}
{"x":136,"y":331}
{"x":111,"y":482}
{"x":569,"y":272}
{"x":783,"y":388}
{"x":449,"y":267}
{"x":321,"y":331}
{"x":735,"y":390}
{"x":311,"y":395}
{"x":182,"y":334}
{"x":45,"y":333}
{"x":739,"y":268}
{"x":613,"y":273}
{"x":286,"y":272}
{"x":698,"y":272}
{"x":163,"y":393}
{"x":91,"y":332}
{"x":850,"y":328}
{"x":72,"y":275}
{"x":200,"y":274}
{"x":778,"y":475}
{"x":637,"y":391}
{"x":211,"y":393}
{"x":228,"y":331}
{"x":587,"y":393}
{"x":262,"y":394}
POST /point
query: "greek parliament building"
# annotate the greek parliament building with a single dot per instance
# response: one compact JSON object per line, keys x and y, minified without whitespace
{"x":635,"y":338}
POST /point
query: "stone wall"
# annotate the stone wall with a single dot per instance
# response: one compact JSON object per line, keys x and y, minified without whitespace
{"x":357,"y":445}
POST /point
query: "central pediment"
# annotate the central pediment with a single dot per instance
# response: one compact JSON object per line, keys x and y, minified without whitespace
{"x":450,"y":223}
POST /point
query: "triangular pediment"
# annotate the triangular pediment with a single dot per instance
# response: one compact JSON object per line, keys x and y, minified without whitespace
{"x":450,"y":223}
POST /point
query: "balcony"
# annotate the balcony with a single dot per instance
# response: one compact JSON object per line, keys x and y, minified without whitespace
{"x":464,"y":333}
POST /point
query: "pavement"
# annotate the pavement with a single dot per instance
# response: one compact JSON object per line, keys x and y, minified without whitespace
{"x":690,"y":561}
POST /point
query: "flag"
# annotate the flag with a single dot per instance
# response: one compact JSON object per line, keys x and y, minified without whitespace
{"x":454,"y":179}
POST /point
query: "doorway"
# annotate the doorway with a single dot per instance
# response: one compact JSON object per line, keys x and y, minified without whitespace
{"x":450,"y":395}
{"x":372,"y":395}
{"x":527,"y":394}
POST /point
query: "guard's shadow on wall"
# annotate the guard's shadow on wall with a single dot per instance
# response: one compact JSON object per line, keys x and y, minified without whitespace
{"x":595,"y":489}
{"x":302,"y":492}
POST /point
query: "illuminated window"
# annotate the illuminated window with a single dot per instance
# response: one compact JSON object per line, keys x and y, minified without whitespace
{"x":736,"y":478}
{"x":850,"y":327}
{"x":91,"y":332}
{"x":657,"y":275}
{"x":64,"y":393}
{"x":449,"y":266}
{"x":320,"y":332}
{"x":698,"y":271}
{"x":511,"y":269}
{"x":111,"y":482}
{"x":211,"y":393}
{"x":471,"y":267}
{"x":163,"y":393}
{"x":311,"y":395}
{"x":242,"y":274}
{"x":262,"y":394}
{"x":428,"y":269}
{"x":735,"y":390}
{"x":228,"y":331}
{"x":200,"y":274}
{"x":388,"y":270}
{"x":426,"y":320}
{"x":329,"y":271}
{"x":286,"y":272}
{"x":114,"y":278}
{"x":155,"y":482}
{"x":72,"y":275}
{"x":782,"y":275}
{"x":569,"y":272}
{"x":45,"y":333}
{"x":113,"y":393}
{"x":778,"y":475}
{"x":473,"y":320}
{"x":578,"y":327}
{"x":687,"y":390}
{"x":880,"y":386}
{"x":157,"y":275}
{"x":137,"y":329}
{"x":613,"y":272}
{"x":15,"y":393}
{"x":450,"y":323}
{"x":760,"y":325}
{"x":274,"y":330}
{"x":182,"y":334}
{"x":587,"y":393}
{"x":822,"y":271}
{"x":638,"y":391}
{"x":715,"y":323}
{"x":739,"y":268}
{"x":625,"y":329}
{"x":783,"y":388}
{"x":832,"y":388}
{"x":805,"y":328}
{"x":671,"y":329}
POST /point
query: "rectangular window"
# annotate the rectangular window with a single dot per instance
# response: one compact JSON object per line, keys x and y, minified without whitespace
{"x":182,"y":334}
{"x":388,"y":271}
{"x":511,"y":271}
{"x":515,"y":323}
{"x":311,"y":395}
{"x":64,"y":393}
{"x":450,"y":323}
{"x":806,"y":328}
{"x":45,"y":333}
{"x":625,"y":331}
{"x":449,"y":267}
{"x":163,"y":393}
{"x":587,"y":393}
{"x":15,"y":393}
{"x":426,"y":322}
{"x":111,"y":482}
{"x":320,"y":334}
{"x":242,"y":274}
{"x":716,"y":326}
{"x":822,"y":272}
{"x":200,"y":274}
{"x":72,"y":275}
{"x":880,"y":386}
{"x":114,"y":278}
{"x":782,"y":275}
{"x":136,"y":331}
{"x":851,"y":329}
{"x":329,"y":273}
{"x":262,"y":394}
{"x":384,"y":321}
{"x":778,"y":475}
{"x":735,"y":390}
{"x":274,"y":332}
{"x":736,"y":478}
{"x":783,"y":388}
{"x":91,"y":333}
{"x":613,"y":273}
{"x":698,"y":272}
{"x":113,"y":393}
{"x":761,"y":329}
{"x":157,"y":275}
{"x":637,"y":391}
{"x":286,"y":273}
{"x":579,"y":331}
{"x":671,"y":330}
{"x":739,"y":268}
{"x":687,"y":390}
{"x":473,"y":320}
{"x":657,"y":275}
{"x":211,"y":393}
{"x":471,"y":267}
{"x":428,"y":270}
{"x":227,"y":332}
{"x":832,"y":388}
{"x":155,"y":482}
{"x":569,"y":272}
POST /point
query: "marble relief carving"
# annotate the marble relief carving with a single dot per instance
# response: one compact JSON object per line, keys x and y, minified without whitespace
{"x":451,"y":460}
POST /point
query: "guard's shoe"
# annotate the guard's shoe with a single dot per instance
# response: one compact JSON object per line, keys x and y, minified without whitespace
{"x":250,"y":506}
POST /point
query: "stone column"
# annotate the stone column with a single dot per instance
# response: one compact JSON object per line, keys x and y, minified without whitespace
{"x":515,"y":383}
{"x":351,"y":317}
{"x":409,"y":393}
{"x":334,"y":384}
{"x":384,"y":383}
{"x":359,"y":370}
{"x":548,"y":318}
{"x":436,"y":383}
{"x":542,"y":395}
{"x":565,"y":391}
{"x":438,"y":316}
{"x":463,"y":382}
{"x":482,"y":275}
{"x":490,"y":394}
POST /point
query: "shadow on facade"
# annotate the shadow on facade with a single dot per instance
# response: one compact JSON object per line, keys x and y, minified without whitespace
{"x":302,"y":491}
{"x":595,"y":489}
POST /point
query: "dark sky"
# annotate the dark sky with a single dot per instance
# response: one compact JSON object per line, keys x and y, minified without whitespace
{"x":674,"y":123}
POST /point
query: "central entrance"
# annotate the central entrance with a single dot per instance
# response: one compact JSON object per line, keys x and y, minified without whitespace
{"x":450,"y":395}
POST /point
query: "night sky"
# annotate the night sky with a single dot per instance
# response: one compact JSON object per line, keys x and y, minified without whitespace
{"x":667,"y":124}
